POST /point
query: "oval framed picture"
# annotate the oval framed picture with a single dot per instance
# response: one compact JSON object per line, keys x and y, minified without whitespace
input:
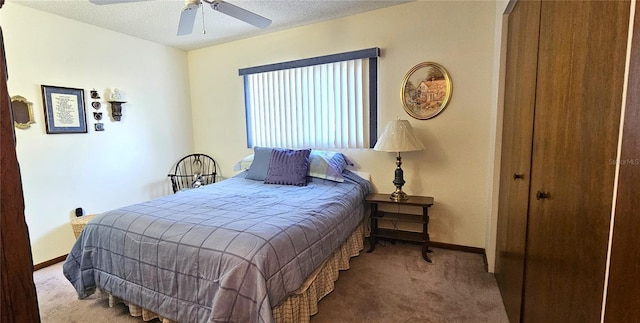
{"x":22,"y":111}
{"x":426,"y":90}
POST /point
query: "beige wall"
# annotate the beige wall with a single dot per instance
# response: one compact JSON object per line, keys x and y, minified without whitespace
{"x":457,"y":165}
{"x":127,"y":162}
{"x":98,"y":171}
{"x":499,"y":60}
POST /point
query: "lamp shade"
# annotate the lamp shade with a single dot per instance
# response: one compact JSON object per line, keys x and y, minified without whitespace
{"x":398,"y":136}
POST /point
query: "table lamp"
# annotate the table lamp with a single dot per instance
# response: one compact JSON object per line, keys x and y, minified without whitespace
{"x":398,"y":137}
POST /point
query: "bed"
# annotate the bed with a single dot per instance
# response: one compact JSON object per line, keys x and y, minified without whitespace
{"x":234,"y":251}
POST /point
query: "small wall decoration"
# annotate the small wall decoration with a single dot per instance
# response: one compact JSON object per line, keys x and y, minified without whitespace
{"x":98,"y":126}
{"x":115,"y":95}
{"x":22,"y":111}
{"x":94,"y":95}
{"x":426,"y":90}
{"x":64,"y":110}
{"x":116,"y":104}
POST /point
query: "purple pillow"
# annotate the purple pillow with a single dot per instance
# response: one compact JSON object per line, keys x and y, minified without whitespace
{"x":288,"y":167}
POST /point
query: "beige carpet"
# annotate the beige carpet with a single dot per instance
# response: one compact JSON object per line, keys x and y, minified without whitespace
{"x":392,"y":284}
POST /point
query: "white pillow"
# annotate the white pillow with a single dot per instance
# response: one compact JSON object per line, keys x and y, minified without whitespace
{"x":244,"y":163}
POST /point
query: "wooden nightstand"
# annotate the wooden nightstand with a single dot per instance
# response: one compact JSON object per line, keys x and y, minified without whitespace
{"x":395,"y":234}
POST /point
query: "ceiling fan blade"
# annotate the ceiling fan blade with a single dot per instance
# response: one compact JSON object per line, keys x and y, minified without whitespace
{"x":101,"y":2}
{"x":187,"y":19}
{"x":242,"y":14}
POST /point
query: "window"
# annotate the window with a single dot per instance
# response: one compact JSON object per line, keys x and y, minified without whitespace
{"x":327,"y":102}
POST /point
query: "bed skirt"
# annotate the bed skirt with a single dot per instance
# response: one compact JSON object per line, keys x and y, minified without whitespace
{"x":299,"y":306}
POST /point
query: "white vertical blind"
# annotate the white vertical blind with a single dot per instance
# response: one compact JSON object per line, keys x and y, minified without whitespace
{"x":319,"y":106}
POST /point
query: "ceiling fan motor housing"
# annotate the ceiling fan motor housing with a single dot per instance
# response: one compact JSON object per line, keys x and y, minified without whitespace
{"x":191,"y":4}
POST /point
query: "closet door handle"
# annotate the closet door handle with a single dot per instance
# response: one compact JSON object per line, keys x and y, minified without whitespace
{"x":542,"y":195}
{"x":517,"y":176}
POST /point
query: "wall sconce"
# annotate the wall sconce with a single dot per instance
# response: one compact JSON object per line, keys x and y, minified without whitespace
{"x":116,"y":109}
{"x":116,"y":105}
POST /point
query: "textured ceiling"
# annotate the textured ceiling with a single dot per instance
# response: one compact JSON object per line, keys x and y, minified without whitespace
{"x":157,"y":20}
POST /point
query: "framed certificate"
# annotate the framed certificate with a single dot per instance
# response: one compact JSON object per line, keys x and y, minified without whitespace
{"x":64,"y":109}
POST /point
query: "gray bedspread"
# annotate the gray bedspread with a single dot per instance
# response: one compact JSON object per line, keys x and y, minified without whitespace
{"x":225,"y":252}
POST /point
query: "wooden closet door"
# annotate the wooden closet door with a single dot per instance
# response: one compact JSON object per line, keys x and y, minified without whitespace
{"x":517,"y":134}
{"x":623,"y":298}
{"x":578,"y":98}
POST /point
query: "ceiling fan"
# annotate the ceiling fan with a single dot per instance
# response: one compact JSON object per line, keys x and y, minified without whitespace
{"x":188,"y":15}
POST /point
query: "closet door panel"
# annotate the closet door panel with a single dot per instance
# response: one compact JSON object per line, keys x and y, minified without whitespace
{"x":520,"y":87}
{"x":623,"y":298}
{"x":577,"y":114}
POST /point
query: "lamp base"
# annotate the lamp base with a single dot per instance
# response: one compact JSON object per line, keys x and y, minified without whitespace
{"x":398,"y":195}
{"x":398,"y":181}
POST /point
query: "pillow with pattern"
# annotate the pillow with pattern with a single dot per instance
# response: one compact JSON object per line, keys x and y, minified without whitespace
{"x":328,"y":165}
{"x":288,"y":167}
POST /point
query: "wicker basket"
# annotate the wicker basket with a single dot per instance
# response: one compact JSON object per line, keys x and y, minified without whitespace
{"x":78,"y":223}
